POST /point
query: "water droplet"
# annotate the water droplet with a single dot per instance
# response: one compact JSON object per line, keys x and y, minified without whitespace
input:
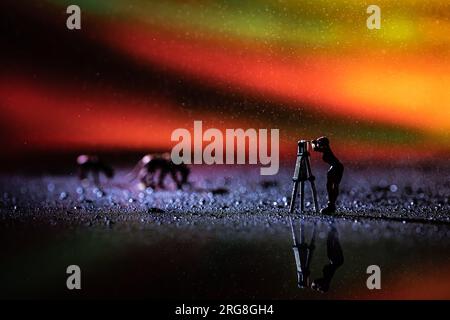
{"x":99,"y":193}
{"x":51,"y":187}
{"x":393,"y":188}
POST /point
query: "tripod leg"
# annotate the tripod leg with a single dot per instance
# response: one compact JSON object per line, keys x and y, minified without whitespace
{"x":311,"y":179}
{"x":296,"y":179}
{"x":302,"y":232}
{"x":294,"y":238}
{"x":302,"y":196}
{"x":314,"y":192}
{"x":293,"y":197}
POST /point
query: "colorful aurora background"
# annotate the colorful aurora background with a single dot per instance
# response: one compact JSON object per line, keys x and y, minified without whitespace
{"x":137,"y":70}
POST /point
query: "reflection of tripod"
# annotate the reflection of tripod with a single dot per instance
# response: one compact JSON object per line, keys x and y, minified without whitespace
{"x":303,"y":254}
{"x":303,"y":173}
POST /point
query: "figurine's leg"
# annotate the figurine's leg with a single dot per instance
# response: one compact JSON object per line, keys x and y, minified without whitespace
{"x":162,"y":176}
{"x":143,"y":178}
{"x":184,"y":175}
{"x":175,"y":178}
{"x":331,"y":190}
{"x":96,"y":176}
{"x":149,"y":180}
{"x":334,"y":249}
{"x":333,"y":194}
{"x":335,"y":177}
{"x":82,"y":173}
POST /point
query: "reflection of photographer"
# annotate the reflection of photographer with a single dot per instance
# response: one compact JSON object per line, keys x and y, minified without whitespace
{"x":335,"y":258}
{"x":334,"y":174}
{"x":303,"y":253}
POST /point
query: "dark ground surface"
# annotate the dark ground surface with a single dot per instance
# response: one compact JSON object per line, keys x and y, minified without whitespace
{"x":227,"y":236}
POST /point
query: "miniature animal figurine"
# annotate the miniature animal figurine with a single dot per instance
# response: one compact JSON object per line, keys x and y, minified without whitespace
{"x":152,"y":170}
{"x":91,"y":165}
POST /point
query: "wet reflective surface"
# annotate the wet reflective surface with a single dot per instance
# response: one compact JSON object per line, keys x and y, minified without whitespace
{"x":228,"y":238}
{"x":219,"y":262}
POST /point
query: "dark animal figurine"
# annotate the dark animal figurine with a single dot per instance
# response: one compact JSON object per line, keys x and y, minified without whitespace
{"x":92,"y":165}
{"x":152,"y":170}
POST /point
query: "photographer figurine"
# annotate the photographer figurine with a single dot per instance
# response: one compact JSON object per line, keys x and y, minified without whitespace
{"x":334,"y":174}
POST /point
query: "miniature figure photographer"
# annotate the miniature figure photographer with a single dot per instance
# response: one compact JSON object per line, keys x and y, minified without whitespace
{"x":334,"y":174}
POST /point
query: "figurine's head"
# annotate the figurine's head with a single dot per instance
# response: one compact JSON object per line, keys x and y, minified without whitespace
{"x":166,"y":156}
{"x":146,"y":159}
{"x":84,"y":158}
{"x":320,"y":144}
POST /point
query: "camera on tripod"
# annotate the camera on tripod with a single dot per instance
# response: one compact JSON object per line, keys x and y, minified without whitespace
{"x":316,"y":144}
{"x":302,"y":174}
{"x":303,"y":146}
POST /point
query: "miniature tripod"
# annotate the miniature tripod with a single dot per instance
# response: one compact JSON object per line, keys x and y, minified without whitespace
{"x":303,"y":173}
{"x":303,"y":253}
